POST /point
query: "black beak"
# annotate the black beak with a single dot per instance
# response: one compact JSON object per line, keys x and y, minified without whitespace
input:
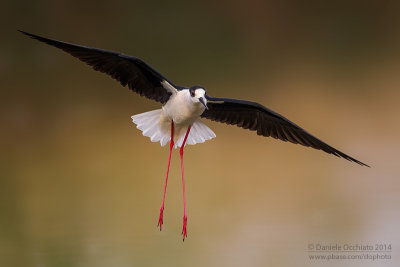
{"x":201,"y":99}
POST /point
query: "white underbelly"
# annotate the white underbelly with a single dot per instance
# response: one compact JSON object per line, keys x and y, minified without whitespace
{"x":157,"y":126}
{"x":183,"y":112}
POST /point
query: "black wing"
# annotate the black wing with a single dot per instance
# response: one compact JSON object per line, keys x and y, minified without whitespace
{"x":131,"y":71}
{"x":255,"y":117}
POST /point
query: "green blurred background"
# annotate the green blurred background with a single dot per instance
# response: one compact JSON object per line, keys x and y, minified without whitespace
{"x":80,"y":185}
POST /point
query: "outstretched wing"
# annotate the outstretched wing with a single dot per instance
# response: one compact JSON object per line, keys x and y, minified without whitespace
{"x":131,"y":71}
{"x":255,"y":117}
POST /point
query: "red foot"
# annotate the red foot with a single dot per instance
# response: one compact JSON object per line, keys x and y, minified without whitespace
{"x":184,"y":229}
{"x":160,"y":220}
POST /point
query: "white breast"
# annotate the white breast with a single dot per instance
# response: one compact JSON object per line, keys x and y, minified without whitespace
{"x":182,"y":110}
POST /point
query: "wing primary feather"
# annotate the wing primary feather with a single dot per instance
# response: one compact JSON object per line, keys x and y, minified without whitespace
{"x":131,"y":71}
{"x":256,"y":117}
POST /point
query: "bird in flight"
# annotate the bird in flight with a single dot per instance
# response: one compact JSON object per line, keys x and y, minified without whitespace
{"x":178,"y":121}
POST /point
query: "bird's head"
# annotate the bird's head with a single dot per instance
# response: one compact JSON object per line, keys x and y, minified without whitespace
{"x":198,"y":95}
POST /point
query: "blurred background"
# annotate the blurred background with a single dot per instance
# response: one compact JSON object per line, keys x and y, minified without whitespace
{"x":81,"y":186}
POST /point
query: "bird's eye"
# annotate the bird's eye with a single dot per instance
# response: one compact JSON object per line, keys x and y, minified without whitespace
{"x":192,"y":93}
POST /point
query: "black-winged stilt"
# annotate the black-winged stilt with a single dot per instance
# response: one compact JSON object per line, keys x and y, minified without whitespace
{"x":178,"y":119}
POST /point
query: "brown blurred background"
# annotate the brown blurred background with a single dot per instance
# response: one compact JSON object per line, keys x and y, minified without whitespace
{"x":80,"y":185}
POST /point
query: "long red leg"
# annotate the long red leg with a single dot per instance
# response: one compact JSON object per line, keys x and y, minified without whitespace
{"x":184,"y":229}
{"x":171,"y":145}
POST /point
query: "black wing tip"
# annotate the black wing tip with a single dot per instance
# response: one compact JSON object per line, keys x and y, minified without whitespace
{"x":339,"y":154}
{"x":353,"y":160}
{"x":359,"y":162}
{"x":28,"y":34}
{"x":36,"y":37}
{"x":347,"y":157}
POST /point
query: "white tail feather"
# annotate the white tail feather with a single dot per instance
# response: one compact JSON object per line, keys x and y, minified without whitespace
{"x":150,"y":125}
{"x":199,"y":133}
